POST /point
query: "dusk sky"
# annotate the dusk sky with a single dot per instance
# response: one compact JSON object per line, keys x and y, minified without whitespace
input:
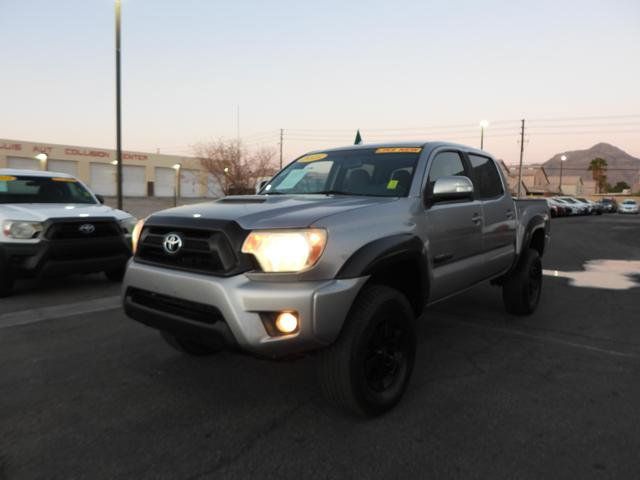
{"x":320,"y":70}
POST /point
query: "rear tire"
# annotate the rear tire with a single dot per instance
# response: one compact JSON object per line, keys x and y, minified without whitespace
{"x":367,"y":370}
{"x":188,"y":346}
{"x":522,"y":288}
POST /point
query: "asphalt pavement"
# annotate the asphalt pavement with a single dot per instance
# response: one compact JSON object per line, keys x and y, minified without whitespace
{"x":87,"y":393}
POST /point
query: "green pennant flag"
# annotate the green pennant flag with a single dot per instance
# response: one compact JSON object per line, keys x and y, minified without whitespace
{"x":358,"y":138}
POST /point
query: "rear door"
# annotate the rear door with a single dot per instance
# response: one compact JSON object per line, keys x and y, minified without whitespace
{"x":453,"y":230}
{"x":499,"y":224}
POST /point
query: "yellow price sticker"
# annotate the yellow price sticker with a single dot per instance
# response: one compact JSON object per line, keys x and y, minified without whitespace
{"x":313,"y":157}
{"x":392,"y":184}
{"x":63,"y":179}
{"x":399,"y":150}
{"x":7,"y":178}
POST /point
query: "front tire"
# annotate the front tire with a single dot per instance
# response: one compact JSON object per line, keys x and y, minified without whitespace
{"x":522,"y":288}
{"x":190,"y":347}
{"x":367,"y":370}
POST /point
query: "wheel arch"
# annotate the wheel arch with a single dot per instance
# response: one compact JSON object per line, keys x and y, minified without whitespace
{"x":535,"y":235}
{"x":398,"y":261}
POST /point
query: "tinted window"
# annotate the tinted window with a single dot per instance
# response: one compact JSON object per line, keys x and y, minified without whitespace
{"x":25,"y":189}
{"x":486,"y":178}
{"x":445,"y":164}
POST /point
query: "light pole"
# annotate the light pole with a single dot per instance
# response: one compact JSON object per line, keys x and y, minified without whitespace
{"x":483,"y":124}
{"x":176,"y":184}
{"x":226,"y":181}
{"x":563,"y":158}
{"x":44,"y":160}
{"x":118,"y":111}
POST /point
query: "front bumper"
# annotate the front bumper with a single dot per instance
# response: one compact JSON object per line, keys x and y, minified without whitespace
{"x":322,"y":307}
{"x":62,"y":257}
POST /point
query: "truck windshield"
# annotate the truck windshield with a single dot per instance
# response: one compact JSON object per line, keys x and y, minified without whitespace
{"x":382,"y":172}
{"x":32,"y":189}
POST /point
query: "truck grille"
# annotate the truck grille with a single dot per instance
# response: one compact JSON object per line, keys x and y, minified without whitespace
{"x":201,"y":250}
{"x":83,"y":229}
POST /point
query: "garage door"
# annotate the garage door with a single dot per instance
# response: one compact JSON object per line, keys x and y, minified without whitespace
{"x":165,"y":182}
{"x":64,"y":166}
{"x":189,"y":185}
{"x":103,"y":179}
{"x":214,"y":190}
{"x":23,"y":163}
{"x":134,"y":181}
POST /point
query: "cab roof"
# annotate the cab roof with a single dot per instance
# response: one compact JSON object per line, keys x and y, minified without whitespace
{"x":409,"y":143}
{"x":16,"y":172}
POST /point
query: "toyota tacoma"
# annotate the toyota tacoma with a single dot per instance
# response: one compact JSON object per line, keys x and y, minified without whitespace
{"x":337,"y":256}
{"x":51,"y":224}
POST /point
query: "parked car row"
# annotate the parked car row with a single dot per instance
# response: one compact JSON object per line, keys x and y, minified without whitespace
{"x":564,"y":206}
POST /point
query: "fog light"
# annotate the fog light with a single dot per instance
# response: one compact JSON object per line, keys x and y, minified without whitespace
{"x":286,"y":322}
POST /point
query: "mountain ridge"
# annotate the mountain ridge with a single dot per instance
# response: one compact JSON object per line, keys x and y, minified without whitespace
{"x":621,"y":166}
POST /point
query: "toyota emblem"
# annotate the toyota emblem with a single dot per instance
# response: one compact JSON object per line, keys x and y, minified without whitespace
{"x":87,"y":228}
{"x":172,"y":243}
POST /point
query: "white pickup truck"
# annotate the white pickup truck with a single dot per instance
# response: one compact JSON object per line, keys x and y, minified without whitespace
{"x":51,"y":224}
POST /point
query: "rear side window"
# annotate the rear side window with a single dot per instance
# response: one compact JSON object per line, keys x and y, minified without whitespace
{"x":486,"y":178}
{"x":445,"y":164}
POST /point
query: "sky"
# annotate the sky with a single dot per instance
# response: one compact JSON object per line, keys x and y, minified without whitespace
{"x":320,"y":70}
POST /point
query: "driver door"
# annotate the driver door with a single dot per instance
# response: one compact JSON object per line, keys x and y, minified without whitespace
{"x":453,"y":230}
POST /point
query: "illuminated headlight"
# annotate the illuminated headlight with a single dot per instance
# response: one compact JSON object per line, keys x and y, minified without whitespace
{"x":135,"y":235}
{"x":128,"y":224}
{"x":286,"y":250}
{"x":21,"y":230}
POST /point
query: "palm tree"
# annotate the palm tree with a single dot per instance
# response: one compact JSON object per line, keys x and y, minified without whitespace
{"x":598,"y":168}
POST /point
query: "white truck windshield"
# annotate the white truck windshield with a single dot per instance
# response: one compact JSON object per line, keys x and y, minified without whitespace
{"x":33,"y":189}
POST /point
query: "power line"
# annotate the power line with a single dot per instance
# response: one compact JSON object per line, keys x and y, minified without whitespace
{"x":598,"y":117}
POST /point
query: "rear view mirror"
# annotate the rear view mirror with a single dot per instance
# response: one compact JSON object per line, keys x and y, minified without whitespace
{"x":452,"y":188}
{"x":100,"y":198}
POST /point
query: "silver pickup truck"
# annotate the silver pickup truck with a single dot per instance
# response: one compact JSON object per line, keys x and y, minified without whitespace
{"x":337,"y":256}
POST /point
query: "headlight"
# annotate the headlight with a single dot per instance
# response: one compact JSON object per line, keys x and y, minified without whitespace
{"x":21,"y":230}
{"x":128,"y":224}
{"x":135,"y":235}
{"x":286,"y":250}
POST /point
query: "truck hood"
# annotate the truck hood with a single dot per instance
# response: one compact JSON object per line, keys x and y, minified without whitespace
{"x":39,"y":212}
{"x":275,"y":211}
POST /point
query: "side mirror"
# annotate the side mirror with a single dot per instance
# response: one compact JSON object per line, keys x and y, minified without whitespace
{"x":261,"y":185}
{"x":452,"y":188}
{"x":100,"y":198}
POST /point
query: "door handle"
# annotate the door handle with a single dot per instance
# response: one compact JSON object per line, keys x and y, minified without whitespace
{"x":476,"y":218}
{"x":510,"y":214}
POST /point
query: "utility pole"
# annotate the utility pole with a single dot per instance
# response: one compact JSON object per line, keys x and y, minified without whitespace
{"x":521,"y":155}
{"x":118,"y":111}
{"x":281,"y":139}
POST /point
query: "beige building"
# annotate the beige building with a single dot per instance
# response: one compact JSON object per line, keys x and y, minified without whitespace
{"x":571,"y":184}
{"x":534,"y":179}
{"x":588,"y":187}
{"x":144,"y":174}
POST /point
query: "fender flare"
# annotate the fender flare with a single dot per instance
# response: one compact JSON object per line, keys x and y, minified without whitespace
{"x":536,"y":223}
{"x":383,"y":253}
